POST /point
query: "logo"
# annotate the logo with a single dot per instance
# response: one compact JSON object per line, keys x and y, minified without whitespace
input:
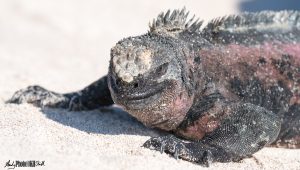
{"x":14,"y":164}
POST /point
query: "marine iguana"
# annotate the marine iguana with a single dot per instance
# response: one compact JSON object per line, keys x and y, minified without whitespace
{"x":223,"y":91}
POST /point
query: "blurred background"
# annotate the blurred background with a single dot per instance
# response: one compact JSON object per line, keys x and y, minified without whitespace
{"x":65,"y":44}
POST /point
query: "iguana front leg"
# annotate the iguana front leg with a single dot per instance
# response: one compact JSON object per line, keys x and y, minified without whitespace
{"x":93,"y":96}
{"x":245,"y":130}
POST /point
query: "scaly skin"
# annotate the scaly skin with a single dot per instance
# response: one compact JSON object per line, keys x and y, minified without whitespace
{"x":223,"y":92}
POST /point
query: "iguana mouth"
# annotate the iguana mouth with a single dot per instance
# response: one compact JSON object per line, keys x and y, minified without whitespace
{"x":140,"y":98}
{"x":142,"y":102}
{"x":144,"y":93}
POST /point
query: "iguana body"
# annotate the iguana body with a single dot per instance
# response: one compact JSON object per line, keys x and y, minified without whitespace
{"x":225,"y":91}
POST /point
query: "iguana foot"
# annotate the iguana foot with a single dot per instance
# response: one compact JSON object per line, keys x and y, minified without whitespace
{"x":191,"y":151}
{"x":40,"y":97}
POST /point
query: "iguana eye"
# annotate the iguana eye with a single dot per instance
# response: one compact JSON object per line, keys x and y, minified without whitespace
{"x":162,"y":69}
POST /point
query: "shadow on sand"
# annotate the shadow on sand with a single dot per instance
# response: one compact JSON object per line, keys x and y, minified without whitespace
{"x":108,"y":120}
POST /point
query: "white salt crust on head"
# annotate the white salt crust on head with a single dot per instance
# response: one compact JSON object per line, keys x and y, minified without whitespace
{"x":129,"y":65}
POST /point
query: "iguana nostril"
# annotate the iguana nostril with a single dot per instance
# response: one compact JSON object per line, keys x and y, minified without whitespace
{"x":118,"y":83}
{"x":136,"y":85}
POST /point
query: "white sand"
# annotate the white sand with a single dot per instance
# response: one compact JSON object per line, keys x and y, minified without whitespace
{"x":64,"y":46}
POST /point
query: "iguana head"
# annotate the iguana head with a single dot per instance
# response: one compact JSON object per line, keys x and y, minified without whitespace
{"x":149,"y":75}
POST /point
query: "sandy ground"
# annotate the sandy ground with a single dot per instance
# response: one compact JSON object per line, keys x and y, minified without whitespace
{"x":65,"y":45}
